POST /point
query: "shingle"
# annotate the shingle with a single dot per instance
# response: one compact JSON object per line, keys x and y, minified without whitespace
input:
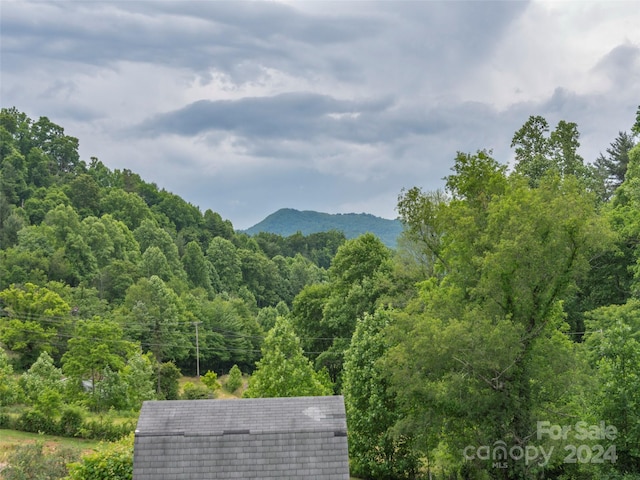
{"x":299,"y":437}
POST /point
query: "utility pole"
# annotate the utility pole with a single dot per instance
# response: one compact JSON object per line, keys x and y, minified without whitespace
{"x":197,"y":350}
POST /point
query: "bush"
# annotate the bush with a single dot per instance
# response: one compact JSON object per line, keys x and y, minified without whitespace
{"x":5,"y":420}
{"x":71,"y":422}
{"x":234,"y":380}
{"x":101,"y":430}
{"x":36,"y":422}
{"x":113,"y":461}
{"x":210,"y":379}
{"x":29,"y":461}
{"x":195,"y":392}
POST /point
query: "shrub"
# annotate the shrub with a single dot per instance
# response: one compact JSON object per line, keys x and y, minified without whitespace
{"x":210,"y":379}
{"x":112,"y":461}
{"x":191,"y":391}
{"x":102,"y":430}
{"x":36,"y":422}
{"x":29,"y":461}
{"x":5,"y":420}
{"x":234,"y":380}
{"x":71,"y":422}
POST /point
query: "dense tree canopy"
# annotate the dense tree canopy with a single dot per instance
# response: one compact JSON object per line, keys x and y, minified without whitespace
{"x":510,"y":302}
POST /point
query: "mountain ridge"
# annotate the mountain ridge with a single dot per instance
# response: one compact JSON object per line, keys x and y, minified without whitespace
{"x":288,"y":221}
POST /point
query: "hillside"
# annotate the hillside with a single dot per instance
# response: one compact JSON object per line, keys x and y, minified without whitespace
{"x":288,"y":221}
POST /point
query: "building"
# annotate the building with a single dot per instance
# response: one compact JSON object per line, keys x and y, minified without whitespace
{"x":266,"y":438}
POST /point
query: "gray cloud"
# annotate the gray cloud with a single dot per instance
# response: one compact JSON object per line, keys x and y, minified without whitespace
{"x":245,"y":107}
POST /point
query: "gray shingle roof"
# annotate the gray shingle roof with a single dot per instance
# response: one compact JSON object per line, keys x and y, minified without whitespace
{"x":295,"y":437}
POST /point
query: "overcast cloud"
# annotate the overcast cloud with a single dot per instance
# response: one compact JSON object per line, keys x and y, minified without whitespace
{"x":245,"y":108}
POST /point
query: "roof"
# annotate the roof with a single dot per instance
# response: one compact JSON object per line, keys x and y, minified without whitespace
{"x":294,"y":437}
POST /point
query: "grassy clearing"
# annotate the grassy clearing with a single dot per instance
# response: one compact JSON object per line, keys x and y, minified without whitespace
{"x":220,"y":393}
{"x":9,"y":439}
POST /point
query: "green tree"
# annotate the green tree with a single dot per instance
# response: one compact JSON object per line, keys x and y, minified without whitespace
{"x":625,"y":213}
{"x":376,"y":450}
{"x":357,"y":279}
{"x":10,"y":391}
{"x":168,"y":376}
{"x":154,"y":262}
{"x":613,"y":339}
{"x":283,"y":370}
{"x":234,"y":380}
{"x":138,"y":376}
{"x":538,"y":153}
{"x":96,"y":344}
{"x":196,"y":266}
{"x":509,"y":260}
{"x":223,"y":256}
{"x":614,"y":165}
{"x":13,"y":173}
{"x":84,"y":193}
{"x":42,"y":375}
{"x":149,"y":234}
{"x":210,"y":379}
{"x":532,"y":149}
{"x":60,"y":148}
{"x":33,"y":316}
{"x":215,"y":227}
{"x":261,"y":276}
{"x":155,"y":318}
{"x":126,"y":207}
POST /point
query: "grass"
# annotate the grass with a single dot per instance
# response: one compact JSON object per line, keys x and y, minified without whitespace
{"x":10,"y":439}
{"x":221,"y":393}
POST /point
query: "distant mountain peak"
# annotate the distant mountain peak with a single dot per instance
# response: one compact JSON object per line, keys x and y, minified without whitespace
{"x":288,"y":221}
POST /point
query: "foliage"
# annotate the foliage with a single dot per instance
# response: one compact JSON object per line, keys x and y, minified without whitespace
{"x":472,"y":348}
{"x":33,"y":316}
{"x":283,"y":370}
{"x":138,"y":376}
{"x":210,"y":379}
{"x":479,"y":314}
{"x":614,"y":165}
{"x":43,"y":383}
{"x":29,"y":462}
{"x":234,"y":380}
{"x":192,"y":391}
{"x":168,"y":386}
{"x":71,"y":421}
{"x":375,"y":449}
{"x":10,"y":392}
{"x":613,"y":339}
{"x":97,"y":345}
{"x":112,"y":461}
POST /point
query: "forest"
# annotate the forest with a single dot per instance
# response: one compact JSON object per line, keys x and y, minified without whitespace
{"x":499,"y":339}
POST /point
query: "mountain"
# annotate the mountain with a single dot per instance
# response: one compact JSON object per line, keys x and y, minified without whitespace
{"x":288,"y":221}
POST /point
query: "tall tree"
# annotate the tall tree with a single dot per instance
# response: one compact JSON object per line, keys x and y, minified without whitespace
{"x":532,"y":149}
{"x":376,"y":450}
{"x":154,"y":316}
{"x":196,"y":266}
{"x":96,"y":344}
{"x":614,"y":165}
{"x":283,"y":370}
{"x":538,"y":153}
{"x":613,"y":339}
{"x":508,"y":264}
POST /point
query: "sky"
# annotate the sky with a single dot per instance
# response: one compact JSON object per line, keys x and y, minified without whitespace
{"x":248,"y":107}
